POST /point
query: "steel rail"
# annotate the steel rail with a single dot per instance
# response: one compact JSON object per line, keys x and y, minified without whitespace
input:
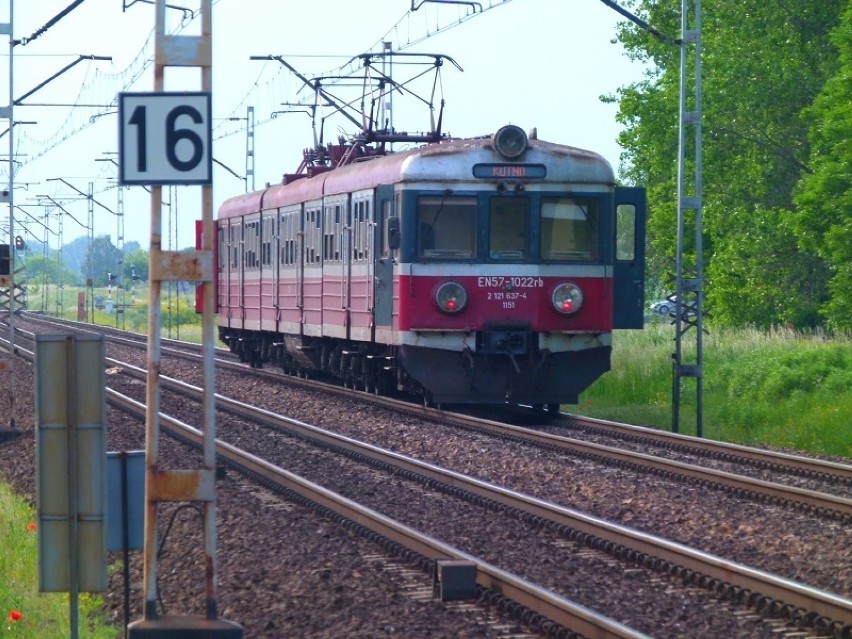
{"x":827,"y":605}
{"x":792,"y":494}
{"x":819,"y":501}
{"x":813,"y":499}
{"x":725,"y":449}
{"x":798,"y":595}
{"x":545,"y":602}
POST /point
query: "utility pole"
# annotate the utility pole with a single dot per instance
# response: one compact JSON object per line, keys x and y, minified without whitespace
{"x":687,"y":362}
{"x":250,"y":149}
{"x":689,"y":293}
{"x":7,"y":274}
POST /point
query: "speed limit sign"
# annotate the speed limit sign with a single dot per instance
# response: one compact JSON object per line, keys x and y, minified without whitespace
{"x":165,"y":138}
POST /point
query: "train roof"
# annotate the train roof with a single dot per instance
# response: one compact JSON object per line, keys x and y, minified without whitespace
{"x":436,"y":162}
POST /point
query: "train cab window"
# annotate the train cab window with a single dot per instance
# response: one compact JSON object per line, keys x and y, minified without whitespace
{"x":569,"y":229}
{"x":625,"y":232}
{"x":508,"y":222}
{"x":446,"y":227}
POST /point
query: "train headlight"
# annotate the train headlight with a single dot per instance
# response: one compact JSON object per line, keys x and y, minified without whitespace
{"x":510,"y":141}
{"x":451,"y":297}
{"x":567,"y":298}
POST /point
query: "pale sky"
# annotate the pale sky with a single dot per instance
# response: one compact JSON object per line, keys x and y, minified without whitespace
{"x":534,"y":63}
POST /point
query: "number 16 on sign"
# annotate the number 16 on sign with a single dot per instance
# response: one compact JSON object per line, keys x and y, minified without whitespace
{"x":165,"y":138}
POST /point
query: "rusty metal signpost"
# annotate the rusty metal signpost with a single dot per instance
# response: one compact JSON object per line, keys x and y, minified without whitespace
{"x":166,"y":138}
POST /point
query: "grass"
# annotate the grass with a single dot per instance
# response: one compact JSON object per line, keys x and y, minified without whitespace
{"x":778,"y":388}
{"x":178,"y":318}
{"x":26,"y":613}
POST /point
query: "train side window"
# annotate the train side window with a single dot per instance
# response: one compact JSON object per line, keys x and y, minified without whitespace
{"x":267,"y":226}
{"x":313,"y":236}
{"x":625,"y":232}
{"x":331,"y":234}
{"x":569,"y":229}
{"x":288,"y":232}
{"x":446,"y":227}
{"x":235,"y":247}
{"x":252,"y":237}
{"x":508,"y":222}
{"x":360,"y":230}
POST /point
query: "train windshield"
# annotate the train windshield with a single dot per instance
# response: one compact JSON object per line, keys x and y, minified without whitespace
{"x":508,"y":222}
{"x":446,"y":227}
{"x":569,"y":229}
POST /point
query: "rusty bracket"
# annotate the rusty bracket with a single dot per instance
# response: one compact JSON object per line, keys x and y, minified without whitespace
{"x":182,"y":485}
{"x":188,"y":266}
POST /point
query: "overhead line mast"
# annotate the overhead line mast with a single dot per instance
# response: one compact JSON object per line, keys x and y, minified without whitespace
{"x":689,"y":290}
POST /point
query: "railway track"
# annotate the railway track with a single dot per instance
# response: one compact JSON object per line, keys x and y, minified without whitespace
{"x":826,"y":478}
{"x":706,"y":577}
{"x":719,"y":575}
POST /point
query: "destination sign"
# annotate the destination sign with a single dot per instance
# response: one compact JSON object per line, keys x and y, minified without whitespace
{"x":511,"y":171}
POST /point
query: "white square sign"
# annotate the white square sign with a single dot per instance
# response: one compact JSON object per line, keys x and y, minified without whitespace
{"x":165,"y":138}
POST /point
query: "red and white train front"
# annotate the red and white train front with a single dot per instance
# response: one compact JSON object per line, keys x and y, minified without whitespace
{"x":487,"y":270}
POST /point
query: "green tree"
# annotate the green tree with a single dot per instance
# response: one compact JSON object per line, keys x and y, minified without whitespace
{"x":824,"y":196}
{"x":136,"y":261}
{"x":762,"y":64}
{"x":48,"y":270}
{"x":102,"y":258}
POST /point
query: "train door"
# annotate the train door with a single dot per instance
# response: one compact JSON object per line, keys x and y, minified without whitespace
{"x":334,"y":265}
{"x":268,"y":315}
{"x":629,"y":267}
{"x":251,"y":285}
{"x":236,"y":303}
{"x":361,"y":270}
{"x":345,"y":232}
{"x":311,"y":285}
{"x":382,"y":257}
{"x":289,"y":298}
{"x":275,"y":257}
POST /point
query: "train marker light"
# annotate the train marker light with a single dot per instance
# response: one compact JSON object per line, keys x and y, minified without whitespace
{"x":567,"y":298}
{"x":451,"y":297}
{"x":510,"y":141}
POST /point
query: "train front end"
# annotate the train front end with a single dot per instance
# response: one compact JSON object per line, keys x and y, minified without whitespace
{"x":517,"y":259}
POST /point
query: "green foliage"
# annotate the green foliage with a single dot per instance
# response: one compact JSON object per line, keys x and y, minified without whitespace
{"x":48,"y":270}
{"x":762,"y":65}
{"x":102,"y":258}
{"x":772,"y":376}
{"x":824,"y":196}
{"x":26,"y":613}
{"x":781,"y":388}
{"x":136,"y":261}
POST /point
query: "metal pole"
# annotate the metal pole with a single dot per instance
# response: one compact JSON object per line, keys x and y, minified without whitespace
{"x":689,"y":289}
{"x":152,"y":415}
{"x":91,"y":279}
{"x":208,"y":341}
{"x":249,"y":181}
{"x":11,"y":217}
